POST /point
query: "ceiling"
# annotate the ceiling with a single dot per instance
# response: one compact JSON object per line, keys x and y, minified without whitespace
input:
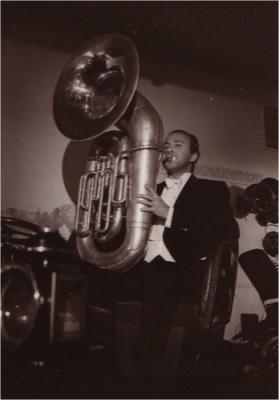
{"x":228,"y":37}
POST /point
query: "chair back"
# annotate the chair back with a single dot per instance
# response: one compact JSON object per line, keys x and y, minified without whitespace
{"x":218,"y":286}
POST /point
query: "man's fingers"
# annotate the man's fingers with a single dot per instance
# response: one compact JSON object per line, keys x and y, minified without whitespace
{"x":145,"y":196}
{"x":147,"y":209}
{"x":150,"y":189}
{"x":149,"y":200}
{"x":146,"y":202}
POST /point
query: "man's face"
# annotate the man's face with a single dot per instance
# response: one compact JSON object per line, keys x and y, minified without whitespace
{"x":177,"y":156}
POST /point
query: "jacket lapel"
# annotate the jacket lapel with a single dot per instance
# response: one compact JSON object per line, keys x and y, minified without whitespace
{"x":187,"y":192}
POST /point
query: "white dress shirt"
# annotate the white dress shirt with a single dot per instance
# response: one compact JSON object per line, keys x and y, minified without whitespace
{"x":156,"y":244}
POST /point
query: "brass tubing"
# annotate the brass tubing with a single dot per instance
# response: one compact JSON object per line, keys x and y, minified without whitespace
{"x":144,"y":128}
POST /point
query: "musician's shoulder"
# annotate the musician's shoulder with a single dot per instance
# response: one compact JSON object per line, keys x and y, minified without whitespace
{"x":211,"y":183}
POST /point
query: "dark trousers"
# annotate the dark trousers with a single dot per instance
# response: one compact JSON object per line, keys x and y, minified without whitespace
{"x":159,"y":299}
{"x":155,"y":286}
{"x":159,"y":286}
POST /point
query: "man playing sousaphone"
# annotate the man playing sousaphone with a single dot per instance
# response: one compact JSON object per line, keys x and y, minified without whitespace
{"x":191,"y":216}
{"x":188,"y":216}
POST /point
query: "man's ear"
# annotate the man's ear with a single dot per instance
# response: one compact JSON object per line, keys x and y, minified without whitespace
{"x":194,"y":157}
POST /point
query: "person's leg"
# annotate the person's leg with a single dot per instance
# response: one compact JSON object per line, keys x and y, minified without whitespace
{"x":264,"y":276}
{"x":261,"y":272}
{"x":157,"y":314}
{"x":127,"y":286}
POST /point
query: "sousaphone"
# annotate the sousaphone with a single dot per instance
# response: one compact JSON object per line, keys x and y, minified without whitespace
{"x":97,"y":90}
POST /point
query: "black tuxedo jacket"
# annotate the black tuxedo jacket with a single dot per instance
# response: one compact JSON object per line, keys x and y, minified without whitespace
{"x":202,"y":218}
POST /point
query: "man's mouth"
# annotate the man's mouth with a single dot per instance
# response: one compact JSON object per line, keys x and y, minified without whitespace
{"x":168,"y":158}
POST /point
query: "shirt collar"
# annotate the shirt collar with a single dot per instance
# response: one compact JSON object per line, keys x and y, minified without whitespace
{"x":182,"y":180}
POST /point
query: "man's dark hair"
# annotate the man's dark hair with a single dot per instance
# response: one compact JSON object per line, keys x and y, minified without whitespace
{"x":194,"y":143}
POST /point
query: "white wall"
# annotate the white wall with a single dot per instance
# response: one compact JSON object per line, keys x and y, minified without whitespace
{"x":40,"y":167}
{"x":32,"y":147}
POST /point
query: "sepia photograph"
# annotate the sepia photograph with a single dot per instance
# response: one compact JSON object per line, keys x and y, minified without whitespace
{"x":139,"y":200}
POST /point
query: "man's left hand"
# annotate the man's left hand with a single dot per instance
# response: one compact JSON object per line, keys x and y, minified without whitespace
{"x":153,"y":203}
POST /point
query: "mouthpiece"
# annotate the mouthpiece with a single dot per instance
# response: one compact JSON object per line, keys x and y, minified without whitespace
{"x":167,"y":157}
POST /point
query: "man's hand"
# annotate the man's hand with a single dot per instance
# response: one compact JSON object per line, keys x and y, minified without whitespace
{"x":153,"y":203}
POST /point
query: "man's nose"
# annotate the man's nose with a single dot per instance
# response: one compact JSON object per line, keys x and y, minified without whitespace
{"x":169,"y":150}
